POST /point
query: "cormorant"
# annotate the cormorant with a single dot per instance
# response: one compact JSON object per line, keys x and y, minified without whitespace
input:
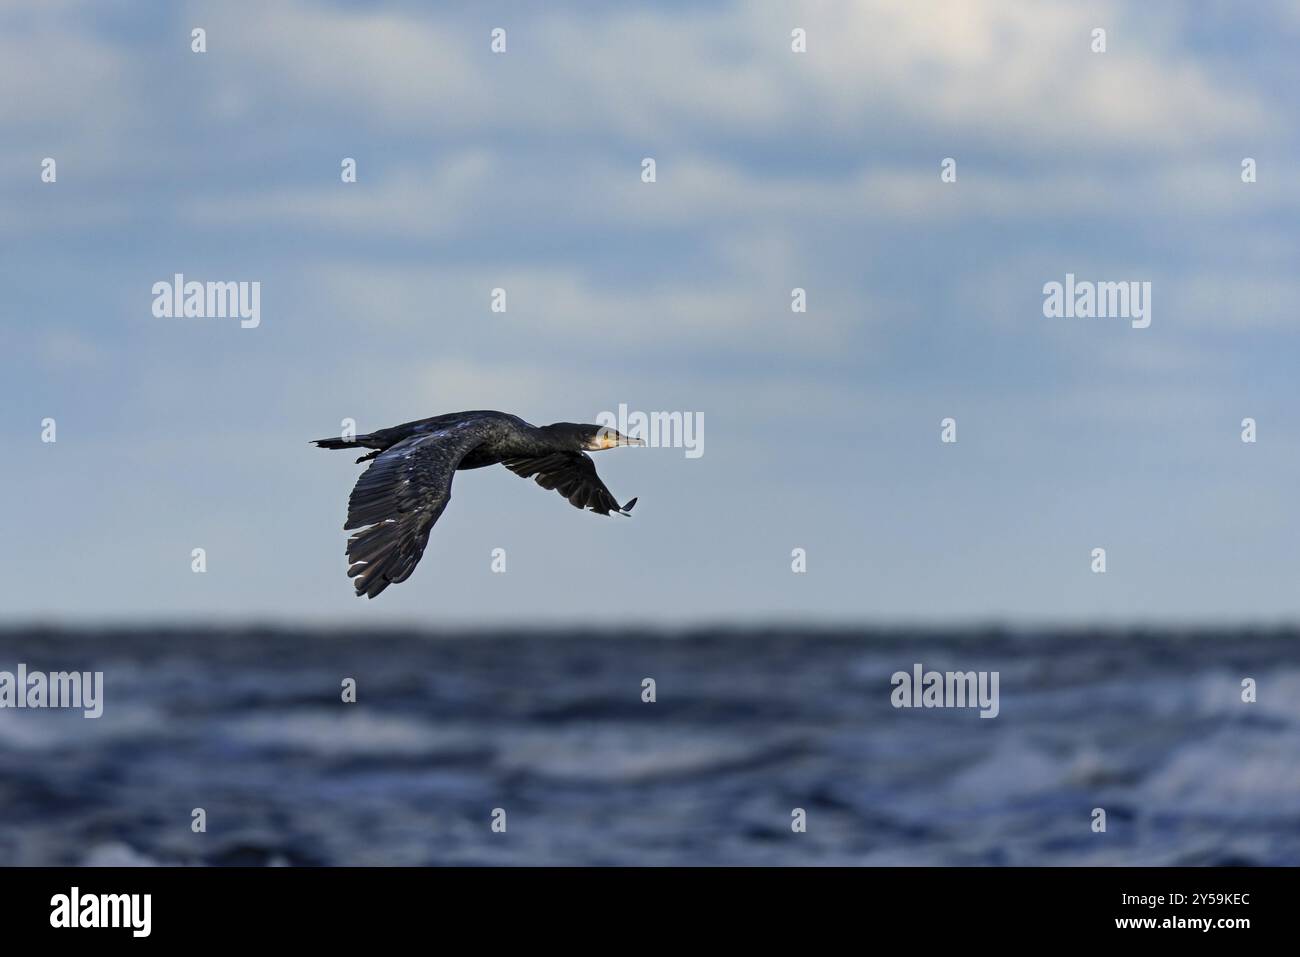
{"x":399,"y":497}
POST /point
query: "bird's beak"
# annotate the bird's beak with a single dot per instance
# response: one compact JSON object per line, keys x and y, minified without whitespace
{"x":612,"y":439}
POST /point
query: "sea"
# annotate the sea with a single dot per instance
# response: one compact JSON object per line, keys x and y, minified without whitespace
{"x":719,"y":746}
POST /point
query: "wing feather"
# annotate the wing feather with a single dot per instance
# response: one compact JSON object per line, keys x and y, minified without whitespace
{"x":573,"y":475}
{"x":396,"y":502}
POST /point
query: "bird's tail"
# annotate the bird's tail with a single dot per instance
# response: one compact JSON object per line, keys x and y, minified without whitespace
{"x":338,"y":443}
{"x":360,"y":442}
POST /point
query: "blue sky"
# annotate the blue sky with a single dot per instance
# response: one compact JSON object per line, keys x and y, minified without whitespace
{"x":774,"y":170}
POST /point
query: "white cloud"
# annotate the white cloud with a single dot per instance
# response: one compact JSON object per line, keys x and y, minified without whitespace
{"x":1021,"y":71}
{"x":738,"y":308}
{"x":1012,"y":74}
{"x":437,"y":200}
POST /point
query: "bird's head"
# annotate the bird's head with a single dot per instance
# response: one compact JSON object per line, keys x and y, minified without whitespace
{"x":590,"y":438}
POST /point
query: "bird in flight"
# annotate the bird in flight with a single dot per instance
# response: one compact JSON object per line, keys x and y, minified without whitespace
{"x":400,"y":496}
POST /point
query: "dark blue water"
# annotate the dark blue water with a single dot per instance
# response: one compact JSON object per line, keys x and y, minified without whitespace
{"x":747,"y":727}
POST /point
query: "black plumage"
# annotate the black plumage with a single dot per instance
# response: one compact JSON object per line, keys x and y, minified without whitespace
{"x":400,"y":497}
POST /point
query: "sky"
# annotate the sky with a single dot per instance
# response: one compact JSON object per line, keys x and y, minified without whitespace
{"x":522,"y":170}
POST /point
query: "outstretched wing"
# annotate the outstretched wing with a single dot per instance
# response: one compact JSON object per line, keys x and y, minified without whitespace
{"x":573,"y":475}
{"x":397,"y":500}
